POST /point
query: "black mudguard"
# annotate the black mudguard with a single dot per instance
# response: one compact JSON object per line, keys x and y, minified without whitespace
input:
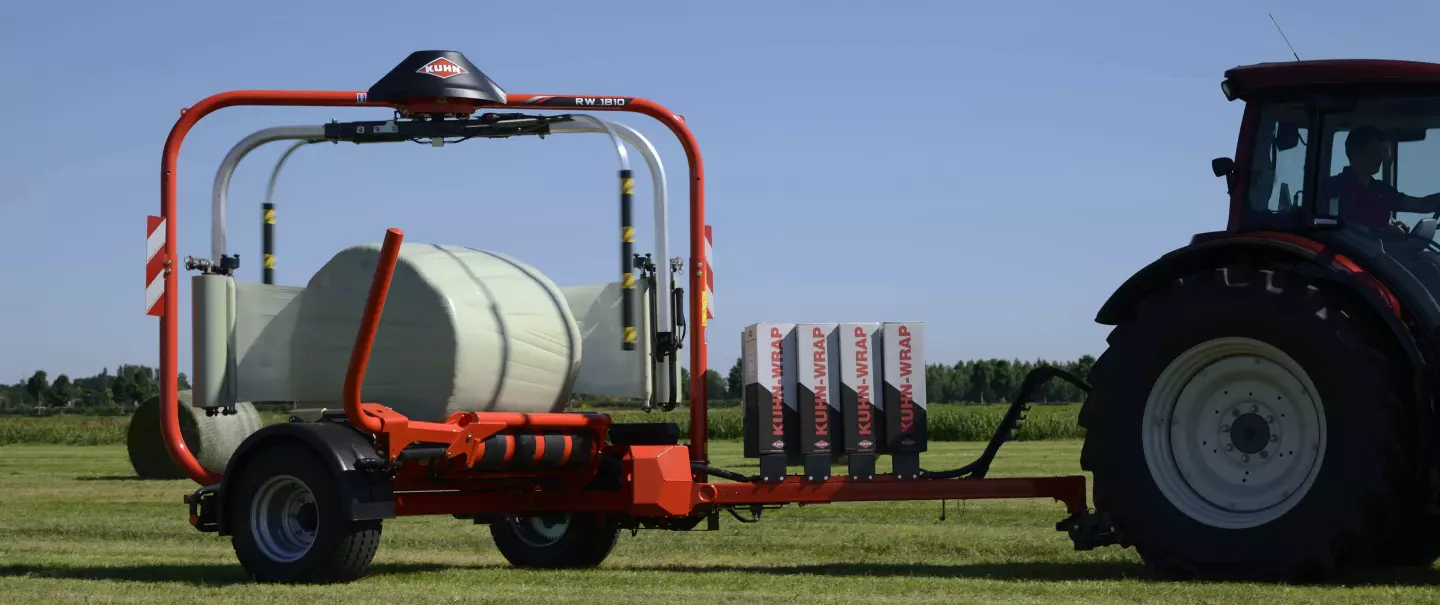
{"x":1207,"y":252}
{"x":366,"y":489}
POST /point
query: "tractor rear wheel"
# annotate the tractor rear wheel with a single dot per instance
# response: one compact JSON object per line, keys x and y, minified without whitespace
{"x":286,"y":523}
{"x":555,"y":541}
{"x":1243,"y":425}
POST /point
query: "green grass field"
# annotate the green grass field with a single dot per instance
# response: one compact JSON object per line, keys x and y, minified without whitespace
{"x":76,"y":528}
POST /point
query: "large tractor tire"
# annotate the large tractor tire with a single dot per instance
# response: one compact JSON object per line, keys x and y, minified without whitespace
{"x":211,"y":438}
{"x":557,"y":541}
{"x":286,"y":522}
{"x":1247,"y":425}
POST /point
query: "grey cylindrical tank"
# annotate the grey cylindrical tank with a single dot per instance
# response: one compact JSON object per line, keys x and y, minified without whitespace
{"x":462,"y":330}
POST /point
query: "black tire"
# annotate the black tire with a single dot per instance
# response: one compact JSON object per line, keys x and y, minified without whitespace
{"x":1415,"y":537}
{"x":339,"y":551}
{"x":586,"y":541}
{"x":1348,"y":515}
{"x":1415,"y":541}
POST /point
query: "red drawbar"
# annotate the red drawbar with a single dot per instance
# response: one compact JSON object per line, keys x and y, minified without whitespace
{"x":1069,"y":489}
{"x":659,"y":485}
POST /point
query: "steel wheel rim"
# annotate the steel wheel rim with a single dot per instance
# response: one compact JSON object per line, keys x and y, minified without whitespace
{"x":283,"y":518}
{"x":541,"y":531}
{"x":1234,"y":433}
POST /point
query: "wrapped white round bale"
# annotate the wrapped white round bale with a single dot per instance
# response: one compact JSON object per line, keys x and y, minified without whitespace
{"x":462,"y":330}
{"x":212,"y":439}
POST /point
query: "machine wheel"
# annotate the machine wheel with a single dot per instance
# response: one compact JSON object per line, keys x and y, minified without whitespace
{"x":286,"y":523}
{"x":1243,"y":426}
{"x":560,"y":540}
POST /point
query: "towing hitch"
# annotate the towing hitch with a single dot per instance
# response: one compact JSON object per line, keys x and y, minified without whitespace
{"x":203,"y":513}
{"x":1089,"y":530}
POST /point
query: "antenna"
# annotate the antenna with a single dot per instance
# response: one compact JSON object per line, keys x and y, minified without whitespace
{"x":1282,"y":36}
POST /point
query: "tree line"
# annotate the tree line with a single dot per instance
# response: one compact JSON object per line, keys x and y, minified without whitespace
{"x":973,"y":381}
{"x":103,"y":393}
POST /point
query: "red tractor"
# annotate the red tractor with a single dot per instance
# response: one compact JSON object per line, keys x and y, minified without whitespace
{"x":1266,"y":405}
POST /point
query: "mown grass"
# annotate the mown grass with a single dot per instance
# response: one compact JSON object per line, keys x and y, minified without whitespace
{"x":948,"y":422}
{"x":75,"y":528}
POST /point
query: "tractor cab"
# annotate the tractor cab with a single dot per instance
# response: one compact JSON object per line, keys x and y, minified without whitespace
{"x":1341,"y":149}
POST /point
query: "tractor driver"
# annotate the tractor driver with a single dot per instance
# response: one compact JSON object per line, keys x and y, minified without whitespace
{"x":1365,"y":201}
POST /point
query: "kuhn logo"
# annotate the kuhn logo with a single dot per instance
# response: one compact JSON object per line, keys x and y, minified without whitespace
{"x":866,"y":444}
{"x":441,"y":68}
{"x":822,"y":444}
{"x":779,"y":444}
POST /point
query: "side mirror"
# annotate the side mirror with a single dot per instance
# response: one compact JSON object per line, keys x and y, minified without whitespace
{"x":1225,"y":167}
{"x":1222,"y":166}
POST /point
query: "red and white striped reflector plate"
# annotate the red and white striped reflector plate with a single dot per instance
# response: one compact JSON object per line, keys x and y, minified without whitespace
{"x":155,"y":266}
{"x":708,"y":300}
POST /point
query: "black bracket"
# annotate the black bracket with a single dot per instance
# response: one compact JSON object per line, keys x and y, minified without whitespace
{"x":227,"y":266}
{"x":487,"y":126}
{"x":203,"y":513}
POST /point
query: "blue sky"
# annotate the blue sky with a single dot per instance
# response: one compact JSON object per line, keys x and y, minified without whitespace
{"x":992,"y":169}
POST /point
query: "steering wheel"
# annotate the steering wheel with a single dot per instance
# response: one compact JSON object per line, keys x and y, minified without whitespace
{"x":1421,"y":236}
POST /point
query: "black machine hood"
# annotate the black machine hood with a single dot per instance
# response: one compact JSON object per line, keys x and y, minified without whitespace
{"x":427,"y":75}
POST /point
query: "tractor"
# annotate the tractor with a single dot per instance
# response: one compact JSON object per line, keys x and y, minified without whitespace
{"x":1265,"y":408}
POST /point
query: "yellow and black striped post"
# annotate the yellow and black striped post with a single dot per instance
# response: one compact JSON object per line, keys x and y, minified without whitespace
{"x":627,"y":276}
{"x":267,"y":243}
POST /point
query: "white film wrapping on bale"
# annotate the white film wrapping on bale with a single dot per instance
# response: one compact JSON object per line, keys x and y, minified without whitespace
{"x":462,"y":330}
{"x":264,"y":325}
{"x":609,"y":370}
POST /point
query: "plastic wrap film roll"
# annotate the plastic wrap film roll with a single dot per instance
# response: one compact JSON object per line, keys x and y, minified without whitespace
{"x":213,"y":303}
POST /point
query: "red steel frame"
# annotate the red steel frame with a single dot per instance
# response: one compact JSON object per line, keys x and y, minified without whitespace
{"x":663,"y":482}
{"x":169,"y":387}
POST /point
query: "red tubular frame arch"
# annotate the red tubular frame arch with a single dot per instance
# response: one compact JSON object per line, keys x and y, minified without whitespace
{"x":169,"y":410}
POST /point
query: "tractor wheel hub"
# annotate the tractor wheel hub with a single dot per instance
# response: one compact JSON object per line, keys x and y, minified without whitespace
{"x":1250,"y":433}
{"x":1234,"y":433}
